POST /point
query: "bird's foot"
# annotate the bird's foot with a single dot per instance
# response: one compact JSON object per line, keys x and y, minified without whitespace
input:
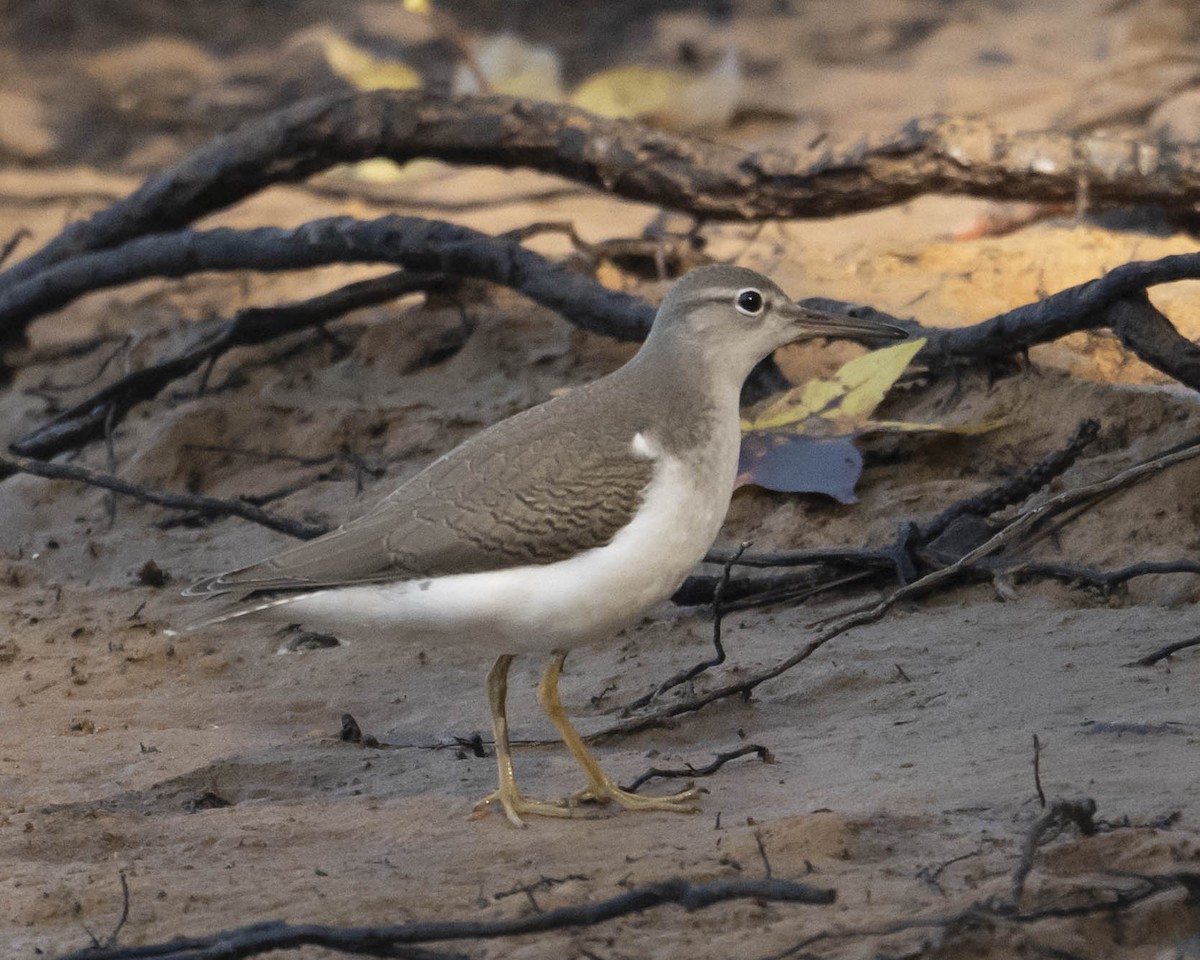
{"x":515,"y":806}
{"x":607,"y":791}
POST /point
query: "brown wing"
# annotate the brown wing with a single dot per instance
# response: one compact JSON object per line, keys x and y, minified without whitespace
{"x":539,"y":487}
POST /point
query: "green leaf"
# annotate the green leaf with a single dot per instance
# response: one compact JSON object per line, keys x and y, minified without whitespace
{"x":842,"y":405}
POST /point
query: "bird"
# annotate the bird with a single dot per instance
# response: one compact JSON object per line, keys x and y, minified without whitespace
{"x":560,"y":525}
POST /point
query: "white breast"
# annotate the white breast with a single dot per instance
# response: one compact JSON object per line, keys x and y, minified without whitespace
{"x":557,"y":605}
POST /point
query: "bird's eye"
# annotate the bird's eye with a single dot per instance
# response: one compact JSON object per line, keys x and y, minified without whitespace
{"x":749,"y":302}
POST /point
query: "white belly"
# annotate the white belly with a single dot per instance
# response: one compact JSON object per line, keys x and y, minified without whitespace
{"x":552,"y":606}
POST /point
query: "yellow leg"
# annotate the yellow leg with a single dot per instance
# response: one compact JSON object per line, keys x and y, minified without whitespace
{"x":507,"y":793}
{"x":601,"y":787}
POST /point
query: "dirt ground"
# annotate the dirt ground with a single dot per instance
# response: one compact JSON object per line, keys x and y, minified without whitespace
{"x":207,"y":769}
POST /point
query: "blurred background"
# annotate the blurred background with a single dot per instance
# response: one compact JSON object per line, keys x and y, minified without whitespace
{"x":132,"y":84}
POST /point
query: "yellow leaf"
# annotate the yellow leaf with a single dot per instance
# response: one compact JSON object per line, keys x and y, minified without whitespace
{"x":675,"y":98}
{"x":362,"y":69}
{"x":842,"y":404}
{"x":384,"y":171}
{"x":629,"y":91}
{"x":422,"y":7}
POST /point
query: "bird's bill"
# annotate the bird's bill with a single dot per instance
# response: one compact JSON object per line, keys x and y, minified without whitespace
{"x":809,"y":323}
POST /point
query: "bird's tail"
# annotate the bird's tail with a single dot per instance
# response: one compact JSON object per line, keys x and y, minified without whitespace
{"x":236,"y":613}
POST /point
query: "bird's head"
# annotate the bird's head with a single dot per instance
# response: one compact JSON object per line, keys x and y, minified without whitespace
{"x":737,"y":317}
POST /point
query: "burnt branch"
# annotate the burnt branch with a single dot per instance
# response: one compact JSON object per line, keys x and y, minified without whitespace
{"x":835,"y":566}
{"x":747,"y":593}
{"x":399,"y":940}
{"x":429,"y":246}
{"x":205,"y":506}
{"x":709,"y":180}
{"x":1114,"y":301}
{"x":1143,"y":329}
{"x":437,"y":247}
{"x":1163,"y":653}
{"x":92,"y":418}
{"x":988,"y":914}
{"x":630,"y":160}
{"x":1104,"y":580}
{"x":1117,"y":300}
{"x":1019,"y":487}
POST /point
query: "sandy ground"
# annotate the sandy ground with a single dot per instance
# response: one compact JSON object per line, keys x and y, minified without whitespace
{"x":207,"y":769}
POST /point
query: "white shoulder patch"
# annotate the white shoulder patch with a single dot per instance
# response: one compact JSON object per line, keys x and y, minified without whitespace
{"x":643,"y":448}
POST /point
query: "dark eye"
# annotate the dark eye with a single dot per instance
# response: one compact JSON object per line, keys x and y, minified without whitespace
{"x":749,"y":302}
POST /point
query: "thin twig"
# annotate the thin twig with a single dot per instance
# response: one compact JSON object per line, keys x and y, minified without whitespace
{"x":991,"y":913}
{"x":111,"y":940}
{"x":691,"y":772}
{"x":207,"y":506}
{"x":1018,"y":487}
{"x":719,"y":656}
{"x":1162,"y":653}
{"x":1105,"y":580}
{"x":391,"y":940}
{"x":1037,"y":771}
{"x":419,"y":245}
{"x":12,"y":243}
{"x":85,"y":420}
{"x":930,"y":875}
{"x":801,"y":558}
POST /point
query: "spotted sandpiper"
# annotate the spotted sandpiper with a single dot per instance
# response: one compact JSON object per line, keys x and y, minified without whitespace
{"x":560,"y":525}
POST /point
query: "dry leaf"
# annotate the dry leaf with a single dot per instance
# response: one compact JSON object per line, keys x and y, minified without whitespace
{"x":841,"y":405}
{"x":358,"y":67}
{"x":674,"y":98}
{"x":799,"y":464}
{"x":802,"y":442}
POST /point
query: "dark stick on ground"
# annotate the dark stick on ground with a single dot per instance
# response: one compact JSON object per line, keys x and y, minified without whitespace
{"x":121,"y":920}
{"x":689,"y":771}
{"x":11,"y":244}
{"x":1037,"y":771}
{"x":112,"y":938}
{"x":86,"y":420}
{"x":395,"y":940}
{"x":205,"y":506}
{"x":799,"y":558}
{"x":1144,"y":330}
{"x":718,"y":657}
{"x":1162,"y":653}
{"x":931,"y":874}
{"x":896,"y":559}
{"x":1018,"y":487}
{"x":1105,"y":580}
{"x":987,"y":915}
{"x":744,"y":593}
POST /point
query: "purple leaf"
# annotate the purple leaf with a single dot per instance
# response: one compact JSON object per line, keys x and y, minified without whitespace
{"x":800,"y":464}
